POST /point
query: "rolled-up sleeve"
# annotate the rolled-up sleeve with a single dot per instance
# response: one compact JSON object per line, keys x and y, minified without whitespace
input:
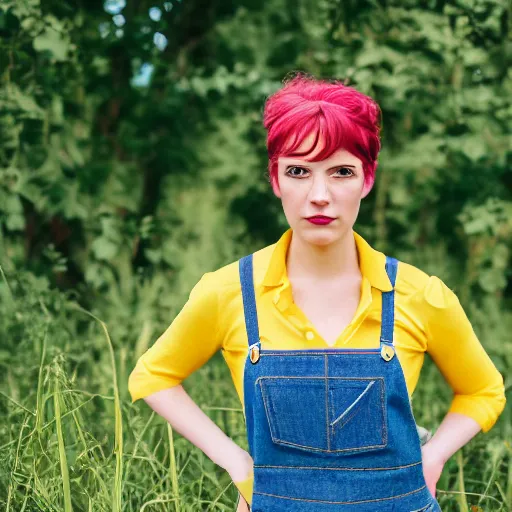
{"x":478,"y":386}
{"x":188,"y":343}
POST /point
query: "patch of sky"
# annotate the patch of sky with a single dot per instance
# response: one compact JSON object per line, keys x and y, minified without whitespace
{"x":114,"y":6}
{"x":119,"y":32}
{"x":143,"y":76}
{"x":160,"y":41}
{"x":168,"y":6}
{"x":155,"y":13}
{"x":119,"y":20}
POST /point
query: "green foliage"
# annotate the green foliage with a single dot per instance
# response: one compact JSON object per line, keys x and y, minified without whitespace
{"x":123,"y":190}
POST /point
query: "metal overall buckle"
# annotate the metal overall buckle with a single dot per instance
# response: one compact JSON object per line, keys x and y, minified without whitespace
{"x":254,"y":352}
{"x":387,"y":352}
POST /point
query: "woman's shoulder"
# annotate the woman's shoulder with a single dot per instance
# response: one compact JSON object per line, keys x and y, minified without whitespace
{"x":415,"y":283}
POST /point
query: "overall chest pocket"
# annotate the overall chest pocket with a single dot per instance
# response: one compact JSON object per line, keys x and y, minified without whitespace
{"x":333,"y":415}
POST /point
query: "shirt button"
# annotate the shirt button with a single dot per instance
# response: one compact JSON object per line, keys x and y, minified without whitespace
{"x":310,"y":335}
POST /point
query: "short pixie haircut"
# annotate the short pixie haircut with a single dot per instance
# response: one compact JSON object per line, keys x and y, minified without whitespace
{"x":344,"y":117}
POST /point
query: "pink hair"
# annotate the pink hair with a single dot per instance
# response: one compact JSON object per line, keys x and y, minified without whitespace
{"x":345,"y":117}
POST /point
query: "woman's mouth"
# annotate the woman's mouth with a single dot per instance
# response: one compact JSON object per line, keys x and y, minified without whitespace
{"x":320,"y":219}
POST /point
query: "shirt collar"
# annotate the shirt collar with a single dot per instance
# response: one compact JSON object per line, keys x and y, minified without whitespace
{"x":372,"y":263}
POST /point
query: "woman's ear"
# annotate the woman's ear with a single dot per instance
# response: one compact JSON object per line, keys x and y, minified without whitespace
{"x":275,"y":185}
{"x":367,"y":187}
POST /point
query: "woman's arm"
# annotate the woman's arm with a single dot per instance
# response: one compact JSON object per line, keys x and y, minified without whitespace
{"x":193,"y":337}
{"x":186,"y":417}
{"x":479,"y":391}
{"x":478,"y":387}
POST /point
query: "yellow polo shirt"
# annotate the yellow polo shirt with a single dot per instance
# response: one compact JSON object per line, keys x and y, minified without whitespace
{"x":428,"y":318}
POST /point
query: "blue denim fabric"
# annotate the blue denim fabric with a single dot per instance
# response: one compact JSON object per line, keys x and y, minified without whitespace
{"x":331,"y":429}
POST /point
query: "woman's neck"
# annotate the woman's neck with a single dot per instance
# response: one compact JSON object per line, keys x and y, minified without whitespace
{"x":333,"y":262}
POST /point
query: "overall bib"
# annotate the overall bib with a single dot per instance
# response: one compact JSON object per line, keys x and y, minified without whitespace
{"x":331,"y":429}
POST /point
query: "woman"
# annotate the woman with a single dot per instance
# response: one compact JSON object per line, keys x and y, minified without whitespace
{"x":324,"y":336}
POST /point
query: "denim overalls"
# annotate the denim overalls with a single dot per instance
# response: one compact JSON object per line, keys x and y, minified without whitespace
{"x":331,"y":429}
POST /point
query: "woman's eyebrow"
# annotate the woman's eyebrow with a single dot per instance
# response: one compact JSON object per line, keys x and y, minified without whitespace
{"x":301,"y":162}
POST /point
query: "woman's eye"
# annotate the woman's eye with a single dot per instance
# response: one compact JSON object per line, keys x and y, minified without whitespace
{"x":291,"y":170}
{"x":294,"y":167}
{"x":346,"y":169}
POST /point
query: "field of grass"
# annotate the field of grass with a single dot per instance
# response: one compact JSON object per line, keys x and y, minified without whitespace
{"x":70,"y":438}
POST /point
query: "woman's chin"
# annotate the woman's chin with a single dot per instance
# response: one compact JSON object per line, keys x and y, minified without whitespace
{"x":319,"y":235}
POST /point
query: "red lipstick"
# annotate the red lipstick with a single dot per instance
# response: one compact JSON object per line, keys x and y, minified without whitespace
{"x":320,"y":219}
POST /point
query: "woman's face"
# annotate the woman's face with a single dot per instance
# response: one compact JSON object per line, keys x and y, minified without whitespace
{"x":333,"y":187}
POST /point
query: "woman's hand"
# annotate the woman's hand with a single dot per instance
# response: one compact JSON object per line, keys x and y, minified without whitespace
{"x":241,"y":471}
{"x":452,"y":434}
{"x":432,"y":466}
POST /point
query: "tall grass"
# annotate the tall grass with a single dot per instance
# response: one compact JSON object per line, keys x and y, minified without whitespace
{"x":71,"y":440}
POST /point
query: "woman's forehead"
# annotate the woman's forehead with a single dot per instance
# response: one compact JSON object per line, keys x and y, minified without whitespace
{"x":310,"y":153}
{"x":338,"y":157}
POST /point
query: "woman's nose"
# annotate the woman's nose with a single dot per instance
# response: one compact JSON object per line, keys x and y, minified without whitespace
{"x":319,"y":190}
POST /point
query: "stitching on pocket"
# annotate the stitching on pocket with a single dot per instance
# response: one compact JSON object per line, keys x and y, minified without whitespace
{"x":343,"y":502}
{"x":432,"y":505}
{"x":427,"y":508}
{"x":354,"y":407}
{"x":382,"y":427}
{"x":270,"y":413}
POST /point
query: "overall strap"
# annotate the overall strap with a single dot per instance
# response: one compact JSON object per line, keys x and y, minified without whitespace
{"x":249,"y":299}
{"x":388,"y":303}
